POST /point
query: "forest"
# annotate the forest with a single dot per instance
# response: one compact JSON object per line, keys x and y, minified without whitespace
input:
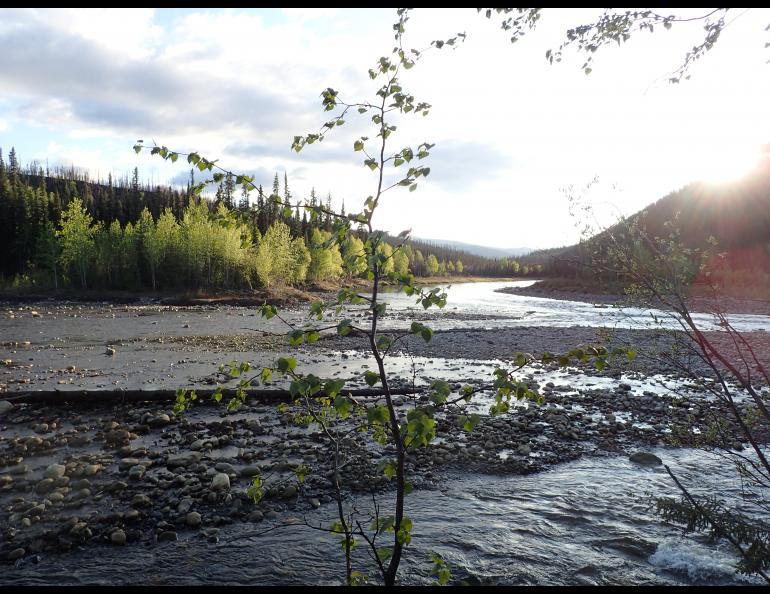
{"x":59,"y":228}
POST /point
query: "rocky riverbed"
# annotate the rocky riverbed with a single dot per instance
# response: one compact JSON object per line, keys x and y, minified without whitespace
{"x":123,"y":475}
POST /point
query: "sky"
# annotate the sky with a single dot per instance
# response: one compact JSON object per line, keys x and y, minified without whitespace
{"x":512,"y":132}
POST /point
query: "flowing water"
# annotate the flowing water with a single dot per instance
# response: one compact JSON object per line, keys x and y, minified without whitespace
{"x":487,"y":308}
{"x":584,"y":522}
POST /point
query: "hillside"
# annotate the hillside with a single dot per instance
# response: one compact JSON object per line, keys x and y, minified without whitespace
{"x":735,"y":214}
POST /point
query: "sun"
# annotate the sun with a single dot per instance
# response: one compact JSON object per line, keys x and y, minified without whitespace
{"x":729,"y":165}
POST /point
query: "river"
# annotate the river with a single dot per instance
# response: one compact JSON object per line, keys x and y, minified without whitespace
{"x":584,"y":522}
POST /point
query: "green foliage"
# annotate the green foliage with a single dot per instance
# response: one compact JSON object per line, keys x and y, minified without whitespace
{"x":353,"y":256}
{"x":613,"y":28}
{"x":76,"y":238}
{"x":276,"y":256}
{"x":431,"y":265}
{"x":711,"y":515}
{"x":441,"y":569}
{"x":256,"y":491}
{"x":325,"y":258}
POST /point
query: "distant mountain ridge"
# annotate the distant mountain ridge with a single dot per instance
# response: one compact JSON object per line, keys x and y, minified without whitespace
{"x":478,"y":250}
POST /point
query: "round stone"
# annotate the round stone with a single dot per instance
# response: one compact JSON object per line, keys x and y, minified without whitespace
{"x":16,"y":554}
{"x":193,"y":519}
{"x":167,"y":536}
{"x":118,"y":537}
{"x":645,"y":458}
{"x":220,"y":482}
{"x":55,"y":471}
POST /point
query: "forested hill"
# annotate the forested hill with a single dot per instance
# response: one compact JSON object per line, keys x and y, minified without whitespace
{"x":736,"y":214}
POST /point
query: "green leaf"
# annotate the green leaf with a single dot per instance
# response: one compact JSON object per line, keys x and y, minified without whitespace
{"x":440,"y":391}
{"x":358,"y":145}
{"x":296,"y":337}
{"x":387,"y":467}
{"x":268,"y":311}
{"x":256,"y":491}
{"x":286,"y":364}
{"x":342,"y":406}
{"x":344,"y":327}
{"x":377,"y":415}
{"x":371,"y":377}
{"x":469,"y":423}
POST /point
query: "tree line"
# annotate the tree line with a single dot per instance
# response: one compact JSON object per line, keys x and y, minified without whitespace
{"x":58,"y":227}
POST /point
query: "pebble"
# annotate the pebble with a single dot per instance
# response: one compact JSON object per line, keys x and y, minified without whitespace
{"x":167,"y":536}
{"x":645,"y":458}
{"x":135,"y":473}
{"x":193,"y":519}
{"x":5,"y":407}
{"x":81,"y":484}
{"x":128,"y":463}
{"x":44,"y":486}
{"x":92,"y":469}
{"x":184,"y":459}
{"x":185,"y":505}
{"x":220,"y":482}
{"x":55,"y":497}
{"x":118,"y":537}
{"x":81,"y":529}
{"x":55,"y":471}
{"x":16,"y":554}
{"x":140,"y":500}
{"x":160,"y":420}
{"x":81,"y":494}
{"x":131,"y":515}
{"x":250,"y":471}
